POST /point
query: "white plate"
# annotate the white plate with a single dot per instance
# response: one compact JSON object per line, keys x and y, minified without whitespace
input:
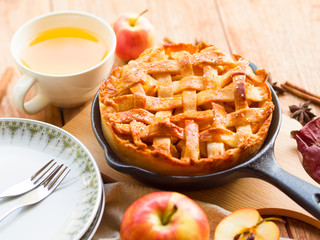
{"x":25,"y":145}
{"x":95,"y":224}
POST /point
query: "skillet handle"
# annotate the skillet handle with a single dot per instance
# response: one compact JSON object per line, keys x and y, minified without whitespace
{"x":303,"y":193}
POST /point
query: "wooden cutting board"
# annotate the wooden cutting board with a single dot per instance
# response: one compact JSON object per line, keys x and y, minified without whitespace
{"x":245,"y":192}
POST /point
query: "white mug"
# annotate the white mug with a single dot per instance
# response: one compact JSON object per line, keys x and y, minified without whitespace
{"x":60,"y":90}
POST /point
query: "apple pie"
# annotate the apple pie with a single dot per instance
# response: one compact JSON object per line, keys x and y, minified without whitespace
{"x":185,"y":110}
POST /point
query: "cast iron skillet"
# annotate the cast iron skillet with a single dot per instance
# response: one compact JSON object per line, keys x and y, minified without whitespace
{"x":263,"y":165}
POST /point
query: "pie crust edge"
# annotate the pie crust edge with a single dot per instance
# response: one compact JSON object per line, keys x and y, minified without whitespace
{"x":159,"y":162}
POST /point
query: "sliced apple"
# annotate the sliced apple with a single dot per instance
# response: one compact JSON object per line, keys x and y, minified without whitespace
{"x":246,"y":224}
{"x":267,"y":230}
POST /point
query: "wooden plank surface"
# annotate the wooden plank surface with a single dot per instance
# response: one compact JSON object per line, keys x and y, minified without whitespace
{"x":280,"y":35}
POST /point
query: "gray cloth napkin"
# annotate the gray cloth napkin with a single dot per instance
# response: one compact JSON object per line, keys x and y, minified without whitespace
{"x":119,"y":196}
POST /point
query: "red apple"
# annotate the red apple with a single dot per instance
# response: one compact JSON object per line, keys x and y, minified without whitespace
{"x":134,"y":34}
{"x":246,"y":223}
{"x":164,"y":216}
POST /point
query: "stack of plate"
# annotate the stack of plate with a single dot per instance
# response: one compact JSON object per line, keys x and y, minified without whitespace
{"x":74,"y":209}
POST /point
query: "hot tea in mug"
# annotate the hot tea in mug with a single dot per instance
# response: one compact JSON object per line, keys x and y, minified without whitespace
{"x":64,"y":56}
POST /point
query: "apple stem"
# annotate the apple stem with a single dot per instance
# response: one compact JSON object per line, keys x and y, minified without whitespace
{"x":133,"y":22}
{"x":166,"y":219}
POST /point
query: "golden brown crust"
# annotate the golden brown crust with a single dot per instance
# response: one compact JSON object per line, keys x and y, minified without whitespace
{"x":185,"y":110}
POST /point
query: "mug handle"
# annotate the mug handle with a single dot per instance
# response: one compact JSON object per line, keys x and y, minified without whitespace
{"x":34,"y":105}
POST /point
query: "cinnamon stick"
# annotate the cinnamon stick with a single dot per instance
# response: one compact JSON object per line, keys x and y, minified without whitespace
{"x":5,"y":80}
{"x":300,"y":92}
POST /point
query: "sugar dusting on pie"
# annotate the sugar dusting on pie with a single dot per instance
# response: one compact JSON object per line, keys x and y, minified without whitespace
{"x":185,"y":110}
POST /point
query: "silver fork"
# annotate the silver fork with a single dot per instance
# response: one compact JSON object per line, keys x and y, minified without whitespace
{"x":41,"y":192}
{"x":30,"y":183}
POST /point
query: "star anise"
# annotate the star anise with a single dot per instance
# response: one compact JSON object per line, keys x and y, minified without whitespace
{"x":279,"y":90}
{"x":302,"y":113}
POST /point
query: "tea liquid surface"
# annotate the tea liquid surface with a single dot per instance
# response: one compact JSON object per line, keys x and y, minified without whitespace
{"x":64,"y":50}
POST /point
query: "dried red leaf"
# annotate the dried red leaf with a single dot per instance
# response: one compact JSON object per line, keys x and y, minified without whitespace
{"x":308,"y":141}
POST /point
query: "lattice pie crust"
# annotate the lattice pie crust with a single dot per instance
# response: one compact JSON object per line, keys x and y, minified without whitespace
{"x":185,"y":110}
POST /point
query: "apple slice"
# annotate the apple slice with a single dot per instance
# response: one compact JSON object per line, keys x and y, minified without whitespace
{"x":246,"y":224}
{"x":267,"y":230}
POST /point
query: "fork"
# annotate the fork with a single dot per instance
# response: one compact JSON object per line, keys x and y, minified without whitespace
{"x":30,"y":183}
{"x":40,"y":193}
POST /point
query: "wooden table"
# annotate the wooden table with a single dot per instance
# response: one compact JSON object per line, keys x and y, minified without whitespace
{"x":282,"y":36}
